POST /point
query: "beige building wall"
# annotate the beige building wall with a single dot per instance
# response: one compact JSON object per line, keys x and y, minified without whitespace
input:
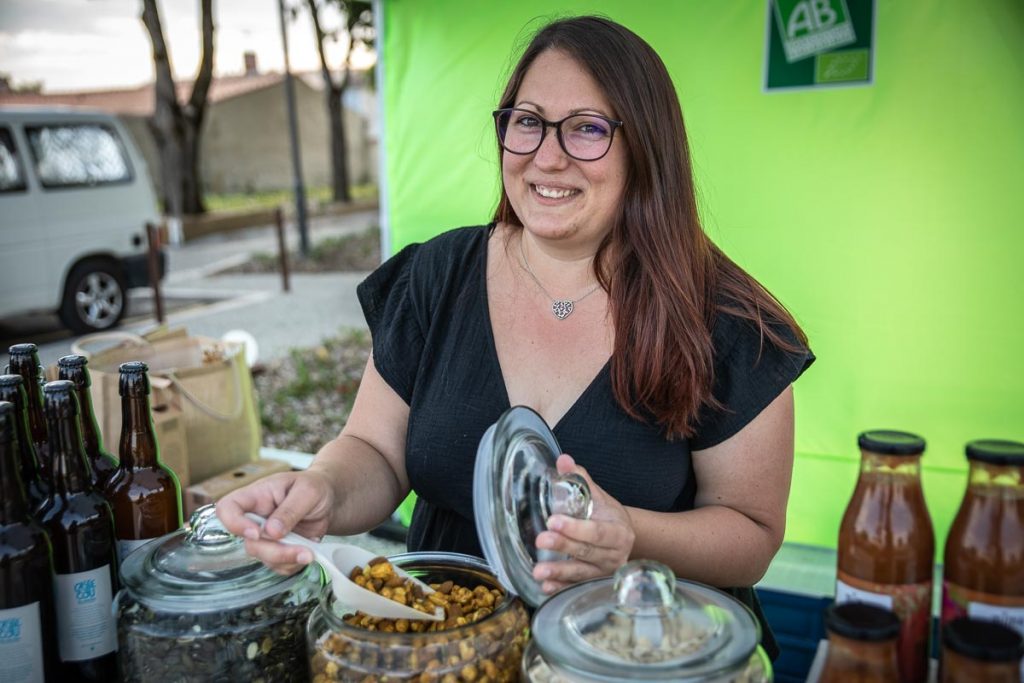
{"x":246,"y":148}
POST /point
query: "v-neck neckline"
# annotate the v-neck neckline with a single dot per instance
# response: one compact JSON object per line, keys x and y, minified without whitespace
{"x":491,"y":230}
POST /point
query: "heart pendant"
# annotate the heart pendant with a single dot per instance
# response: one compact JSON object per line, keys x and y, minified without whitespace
{"x":562,"y":308}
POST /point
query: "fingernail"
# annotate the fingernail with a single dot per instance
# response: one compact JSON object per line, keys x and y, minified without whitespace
{"x":252,"y":534}
{"x":543,"y":573}
{"x":274,"y":527}
{"x":555,"y":523}
{"x":305,"y":557}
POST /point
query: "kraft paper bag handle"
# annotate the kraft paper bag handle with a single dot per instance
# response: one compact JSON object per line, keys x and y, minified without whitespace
{"x":235,"y":412}
{"x":78,"y":346}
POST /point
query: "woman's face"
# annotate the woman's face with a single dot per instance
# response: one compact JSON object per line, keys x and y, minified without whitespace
{"x":556,"y":196}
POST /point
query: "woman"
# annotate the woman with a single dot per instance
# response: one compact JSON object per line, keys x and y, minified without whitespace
{"x":596,"y":299}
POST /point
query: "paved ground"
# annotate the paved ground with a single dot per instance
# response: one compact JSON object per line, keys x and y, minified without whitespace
{"x":319,"y":305}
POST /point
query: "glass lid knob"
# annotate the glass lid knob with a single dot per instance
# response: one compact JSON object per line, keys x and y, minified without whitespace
{"x":645,"y":587}
{"x":567,"y":494}
{"x":206,"y":532}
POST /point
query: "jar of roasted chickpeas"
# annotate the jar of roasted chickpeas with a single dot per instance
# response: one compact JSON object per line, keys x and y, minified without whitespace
{"x":481,"y":639}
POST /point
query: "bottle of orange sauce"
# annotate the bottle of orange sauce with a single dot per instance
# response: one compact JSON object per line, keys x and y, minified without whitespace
{"x":983,"y":567}
{"x":887,"y":545}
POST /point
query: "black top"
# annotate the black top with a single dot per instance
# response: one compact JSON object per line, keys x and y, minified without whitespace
{"x":433,"y":344}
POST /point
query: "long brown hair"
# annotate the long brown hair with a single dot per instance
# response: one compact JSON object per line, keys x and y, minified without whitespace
{"x":666,"y":280}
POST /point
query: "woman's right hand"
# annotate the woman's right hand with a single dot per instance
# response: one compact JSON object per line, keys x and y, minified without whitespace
{"x":290,"y":501}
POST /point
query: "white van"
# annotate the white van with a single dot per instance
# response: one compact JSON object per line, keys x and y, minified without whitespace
{"x":75,"y":198}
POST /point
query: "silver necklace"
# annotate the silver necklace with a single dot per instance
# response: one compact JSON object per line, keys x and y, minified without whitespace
{"x":561,"y":308}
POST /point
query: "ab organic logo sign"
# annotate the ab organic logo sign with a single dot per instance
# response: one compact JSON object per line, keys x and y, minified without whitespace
{"x":818,"y":42}
{"x":810,"y":27}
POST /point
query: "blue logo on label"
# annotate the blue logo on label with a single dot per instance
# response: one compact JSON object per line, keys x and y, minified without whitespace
{"x":85,"y":591}
{"x":10,"y":630}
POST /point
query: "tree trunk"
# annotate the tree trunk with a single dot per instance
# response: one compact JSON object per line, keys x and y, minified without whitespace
{"x":335,"y":114}
{"x":339,"y":146}
{"x":176,"y":128}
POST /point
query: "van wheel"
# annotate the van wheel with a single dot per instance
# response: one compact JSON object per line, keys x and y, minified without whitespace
{"x":95,"y":297}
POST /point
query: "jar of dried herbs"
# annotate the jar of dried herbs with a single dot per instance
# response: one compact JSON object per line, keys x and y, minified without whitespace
{"x":481,"y":639}
{"x":195,"y":607}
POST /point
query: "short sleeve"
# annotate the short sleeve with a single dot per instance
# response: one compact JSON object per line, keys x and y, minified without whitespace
{"x":398,"y":320}
{"x":750,"y":372}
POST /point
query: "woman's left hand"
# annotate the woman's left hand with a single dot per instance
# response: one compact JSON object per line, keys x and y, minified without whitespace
{"x":598,"y":546}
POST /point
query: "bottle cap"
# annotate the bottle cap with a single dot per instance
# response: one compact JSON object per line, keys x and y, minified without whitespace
{"x":11,"y":380}
{"x":996,"y":452}
{"x":23,"y":349}
{"x":861,"y":621}
{"x":73,"y":361}
{"x":133,"y":379}
{"x":59,"y":398}
{"x":987,"y":641}
{"x":891,"y":442}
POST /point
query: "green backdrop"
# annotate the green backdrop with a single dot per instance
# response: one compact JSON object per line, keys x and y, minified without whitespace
{"x":887,"y":217}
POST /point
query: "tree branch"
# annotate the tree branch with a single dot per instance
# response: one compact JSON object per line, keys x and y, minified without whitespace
{"x":164,"y":86}
{"x":197,"y":102}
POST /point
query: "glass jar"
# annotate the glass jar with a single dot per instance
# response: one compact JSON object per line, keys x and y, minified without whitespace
{"x":861,"y":644}
{"x":886,"y":549}
{"x":684,"y":631}
{"x":195,"y":607}
{"x":644,"y":625}
{"x":488,"y":649}
{"x":983,"y":571}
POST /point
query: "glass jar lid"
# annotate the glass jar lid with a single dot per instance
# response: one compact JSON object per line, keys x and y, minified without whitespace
{"x":200,"y":568}
{"x":643,"y":624}
{"x":516,"y":488}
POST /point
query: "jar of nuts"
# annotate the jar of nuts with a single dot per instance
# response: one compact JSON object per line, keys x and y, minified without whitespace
{"x":196,"y":607}
{"x":480,"y":641}
{"x":644,"y":625}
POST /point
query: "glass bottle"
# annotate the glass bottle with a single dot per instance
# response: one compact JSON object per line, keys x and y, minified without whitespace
{"x":144,"y":493}
{"x":27,"y":626}
{"x":81,"y":528}
{"x":25,"y":362}
{"x":983,"y":567}
{"x":37,"y":488}
{"x":887,"y":545}
{"x":974,"y":651}
{"x":984,"y":554}
{"x":103,"y":464}
{"x":861,"y":644}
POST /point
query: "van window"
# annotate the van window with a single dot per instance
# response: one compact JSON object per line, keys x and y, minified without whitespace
{"x":12,"y":178}
{"x":69,"y":155}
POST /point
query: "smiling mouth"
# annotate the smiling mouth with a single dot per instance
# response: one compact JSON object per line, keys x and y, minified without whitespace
{"x":553,"y":192}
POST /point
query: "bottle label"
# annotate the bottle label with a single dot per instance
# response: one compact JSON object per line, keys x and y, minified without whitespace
{"x":21,"y":645}
{"x":958,"y":601}
{"x":912,"y":603}
{"x":85,"y":618}
{"x":125,"y":547}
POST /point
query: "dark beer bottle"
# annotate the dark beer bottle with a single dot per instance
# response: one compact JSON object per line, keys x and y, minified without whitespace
{"x":27,"y":623}
{"x":37,"y":489}
{"x":25,"y":362}
{"x":103,"y":464}
{"x":81,"y":528}
{"x":144,"y":493}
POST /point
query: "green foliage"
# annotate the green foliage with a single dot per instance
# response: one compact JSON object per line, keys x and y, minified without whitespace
{"x":359,"y":252}
{"x":306,"y":397}
{"x":235,"y":201}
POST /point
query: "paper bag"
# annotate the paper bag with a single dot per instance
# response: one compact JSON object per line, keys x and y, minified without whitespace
{"x":205,"y":379}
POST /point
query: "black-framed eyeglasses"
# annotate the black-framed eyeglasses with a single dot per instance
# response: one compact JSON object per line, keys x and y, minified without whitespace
{"x":586,"y":137}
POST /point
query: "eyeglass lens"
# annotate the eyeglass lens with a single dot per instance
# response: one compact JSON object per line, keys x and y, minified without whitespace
{"x":583,"y":137}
